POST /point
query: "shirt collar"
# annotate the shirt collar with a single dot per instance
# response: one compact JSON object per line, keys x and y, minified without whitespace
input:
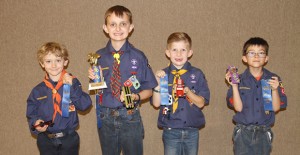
{"x":186,"y":66}
{"x":124,"y":48}
{"x":266,"y":74}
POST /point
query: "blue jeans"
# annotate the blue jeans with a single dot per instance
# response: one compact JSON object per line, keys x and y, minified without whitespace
{"x":66,"y":145}
{"x":181,"y":141}
{"x":121,"y":131}
{"x":252,"y":140}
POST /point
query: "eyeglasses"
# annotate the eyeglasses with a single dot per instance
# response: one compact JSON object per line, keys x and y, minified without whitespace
{"x":252,"y":54}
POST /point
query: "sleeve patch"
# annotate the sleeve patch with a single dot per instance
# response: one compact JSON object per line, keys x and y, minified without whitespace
{"x":231,"y":101}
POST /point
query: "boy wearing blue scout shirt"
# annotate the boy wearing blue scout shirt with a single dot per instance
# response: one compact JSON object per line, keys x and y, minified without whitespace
{"x":184,"y":116}
{"x":52,"y":105}
{"x":252,"y":134}
{"x":122,"y":65}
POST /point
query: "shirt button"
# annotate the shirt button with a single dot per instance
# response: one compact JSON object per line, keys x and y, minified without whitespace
{"x":181,"y":109}
{"x":184,"y":122}
{"x":256,"y":86}
{"x":256,"y":123}
{"x":256,"y":99}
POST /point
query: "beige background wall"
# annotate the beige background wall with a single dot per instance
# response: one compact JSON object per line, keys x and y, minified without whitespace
{"x":218,"y":29}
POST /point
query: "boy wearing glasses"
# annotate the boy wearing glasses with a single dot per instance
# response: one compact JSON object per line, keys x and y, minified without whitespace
{"x":252,"y":133}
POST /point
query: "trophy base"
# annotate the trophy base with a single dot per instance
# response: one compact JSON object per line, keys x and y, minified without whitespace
{"x":100,"y":85}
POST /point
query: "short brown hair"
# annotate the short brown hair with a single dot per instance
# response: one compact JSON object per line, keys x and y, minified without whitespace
{"x":119,"y":12}
{"x":54,"y":48}
{"x":179,"y":36}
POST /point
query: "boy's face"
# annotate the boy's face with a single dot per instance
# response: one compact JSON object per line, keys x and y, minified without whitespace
{"x":256,"y":56}
{"x":53,"y":65}
{"x":118,"y":28}
{"x":179,"y":52}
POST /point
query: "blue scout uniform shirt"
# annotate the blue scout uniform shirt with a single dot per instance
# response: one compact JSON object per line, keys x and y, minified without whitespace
{"x":132,"y":61}
{"x":250,"y":90}
{"x":186,"y":115}
{"x":40,"y":106}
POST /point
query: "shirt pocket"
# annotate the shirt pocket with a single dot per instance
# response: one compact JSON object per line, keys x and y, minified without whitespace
{"x":246,"y":96}
{"x":106,"y":73}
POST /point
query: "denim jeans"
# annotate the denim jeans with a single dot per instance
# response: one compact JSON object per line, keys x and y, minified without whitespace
{"x":121,"y":131}
{"x":181,"y":141}
{"x":66,"y":145}
{"x":252,"y":140}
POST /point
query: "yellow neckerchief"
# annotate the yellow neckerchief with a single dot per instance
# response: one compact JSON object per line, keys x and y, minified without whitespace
{"x":177,"y":75}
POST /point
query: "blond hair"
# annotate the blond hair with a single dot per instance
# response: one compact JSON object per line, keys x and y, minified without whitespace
{"x":179,"y":36}
{"x":54,"y":48}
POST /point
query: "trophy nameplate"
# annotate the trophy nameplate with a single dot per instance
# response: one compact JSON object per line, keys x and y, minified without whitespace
{"x":98,"y":82}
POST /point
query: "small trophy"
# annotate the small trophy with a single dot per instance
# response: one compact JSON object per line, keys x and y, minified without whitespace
{"x":98,"y":82}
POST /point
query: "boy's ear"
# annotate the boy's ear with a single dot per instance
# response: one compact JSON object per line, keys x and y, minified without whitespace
{"x":66,"y":63}
{"x":190,"y":53}
{"x":167,"y":53}
{"x":267,"y":59}
{"x":42,"y":64}
{"x":105,"y":28}
{"x":131,"y":27}
{"x":244,"y":58}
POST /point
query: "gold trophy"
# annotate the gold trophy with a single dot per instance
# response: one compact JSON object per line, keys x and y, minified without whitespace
{"x":98,"y":82}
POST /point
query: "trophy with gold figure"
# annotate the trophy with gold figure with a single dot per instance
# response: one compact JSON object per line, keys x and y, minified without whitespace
{"x":98,"y":82}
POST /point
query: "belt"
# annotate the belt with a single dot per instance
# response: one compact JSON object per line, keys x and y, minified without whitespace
{"x":55,"y":135}
{"x":116,"y":112}
{"x":254,"y":127}
{"x":59,"y":134}
{"x":184,"y":128}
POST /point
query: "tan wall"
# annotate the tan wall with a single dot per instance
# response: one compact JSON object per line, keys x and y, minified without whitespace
{"x":218,"y":30}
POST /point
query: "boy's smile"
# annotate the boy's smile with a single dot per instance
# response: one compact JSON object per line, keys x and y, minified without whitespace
{"x":53,"y":65}
{"x":178,"y":59}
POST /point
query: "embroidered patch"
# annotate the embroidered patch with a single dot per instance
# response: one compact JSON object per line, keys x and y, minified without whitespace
{"x":244,"y":88}
{"x":104,"y":68}
{"x":193,"y":76}
{"x":281,"y":87}
{"x":40,"y":98}
{"x":282,"y":91}
{"x":134,"y":67}
{"x":134,"y":61}
{"x":231,"y":101}
{"x":71,"y":108}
